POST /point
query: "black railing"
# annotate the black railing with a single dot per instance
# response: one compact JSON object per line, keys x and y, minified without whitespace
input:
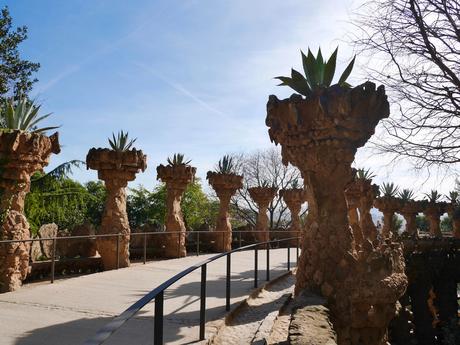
{"x":157,"y":294}
{"x":53,"y":259}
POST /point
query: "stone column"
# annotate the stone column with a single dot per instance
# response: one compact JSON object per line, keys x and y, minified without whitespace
{"x":21,"y":155}
{"x":388,"y":206}
{"x":433,"y":212}
{"x":225,"y":186}
{"x":176,"y":179}
{"x":320,"y":136}
{"x":453,"y":210}
{"x":294,"y":198}
{"x":368,"y":193}
{"x":353,"y":195}
{"x":115,"y":169}
{"x":409,"y":211}
{"x":262,"y":196}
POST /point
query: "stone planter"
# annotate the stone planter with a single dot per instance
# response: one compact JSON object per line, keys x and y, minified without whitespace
{"x":176,"y":179}
{"x":116,"y":169}
{"x":294,"y":198}
{"x":409,"y":210}
{"x":225,"y":186}
{"x":21,"y":154}
{"x":320,"y":136}
{"x":262,"y":197}
{"x":388,"y":206}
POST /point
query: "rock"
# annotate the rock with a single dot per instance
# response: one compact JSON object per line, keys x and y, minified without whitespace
{"x":35,"y":251}
{"x":48,"y":231}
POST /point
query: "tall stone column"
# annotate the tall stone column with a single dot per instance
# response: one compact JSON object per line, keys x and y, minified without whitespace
{"x":294,"y":198}
{"x":176,"y":179}
{"x":453,"y":210}
{"x":409,"y":211}
{"x":262,"y":196}
{"x":320,"y":136}
{"x":368,"y":193}
{"x":225,"y":186}
{"x":433,"y":212}
{"x":115,"y":169}
{"x":352,"y":195}
{"x":388,"y":206}
{"x":21,"y":155}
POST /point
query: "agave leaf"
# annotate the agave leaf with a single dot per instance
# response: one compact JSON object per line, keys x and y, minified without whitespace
{"x":346,"y":73}
{"x":300,"y":82}
{"x":44,"y":129}
{"x":311,"y":64}
{"x":31,"y":119}
{"x":319,"y":68}
{"x":329,"y":69}
{"x":305,"y":64}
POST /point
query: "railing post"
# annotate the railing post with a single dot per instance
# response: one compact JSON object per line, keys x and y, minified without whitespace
{"x":289,"y":256}
{"x":53,"y":260}
{"x":203,"y":302}
{"x":158,"y":320}
{"x":227,"y":286}
{"x":256,"y":259}
{"x":268,"y":261}
{"x":198,"y":243}
{"x":118,"y":251}
{"x":145,"y":248}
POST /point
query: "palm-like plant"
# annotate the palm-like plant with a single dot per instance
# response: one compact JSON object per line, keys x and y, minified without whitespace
{"x":364,"y":174}
{"x":406,"y":195}
{"x":226,"y":165}
{"x":389,"y":189}
{"x":433,"y":196}
{"x":121,"y":142}
{"x":23,"y":116}
{"x":178,"y":159}
{"x":453,"y":197}
{"x":318,"y":73}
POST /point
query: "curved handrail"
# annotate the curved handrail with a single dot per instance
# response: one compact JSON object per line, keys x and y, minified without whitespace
{"x":105,"y":332}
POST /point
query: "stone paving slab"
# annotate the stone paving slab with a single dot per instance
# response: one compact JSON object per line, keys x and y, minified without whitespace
{"x":71,"y":310}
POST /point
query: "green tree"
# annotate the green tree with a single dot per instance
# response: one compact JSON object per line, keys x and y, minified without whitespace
{"x":446,"y":224}
{"x":16,"y":74}
{"x":422,"y":223}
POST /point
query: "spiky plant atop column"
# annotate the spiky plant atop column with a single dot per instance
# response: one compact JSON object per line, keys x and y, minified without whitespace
{"x":433,"y":210}
{"x":225,"y":182}
{"x":388,"y":204}
{"x":176,"y":175}
{"x":116,"y":167}
{"x":320,"y":134}
{"x":24,"y":150}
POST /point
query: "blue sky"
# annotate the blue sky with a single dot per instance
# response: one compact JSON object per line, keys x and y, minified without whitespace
{"x":189,"y":76}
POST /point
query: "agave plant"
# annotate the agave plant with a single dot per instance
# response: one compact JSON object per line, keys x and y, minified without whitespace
{"x":121,"y":142}
{"x":364,"y":174}
{"x":23,"y":116}
{"x":453,"y":197}
{"x":389,"y":189}
{"x":226,"y":165}
{"x":406,"y":195}
{"x":178,"y":159}
{"x":318,"y":73}
{"x":433,"y":196}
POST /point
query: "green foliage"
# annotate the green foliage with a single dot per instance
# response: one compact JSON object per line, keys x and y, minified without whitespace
{"x":121,"y":142}
{"x":422,"y":223}
{"x":15,"y":73}
{"x":433,"y":196}
{"x":406,"y":195}
{"x":453,"y":197}
{"x":396,"y":223}
{"x":446,"y":224}
{"x":364,"y":174}
{"x":226,"y":165}
{"x":178,"y":159}
{"x":389,"y":189}
{"x":318,"y":73}
{"x":22,"y":115}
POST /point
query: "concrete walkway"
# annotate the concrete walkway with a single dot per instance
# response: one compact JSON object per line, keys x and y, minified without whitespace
{"x":71,"y":310}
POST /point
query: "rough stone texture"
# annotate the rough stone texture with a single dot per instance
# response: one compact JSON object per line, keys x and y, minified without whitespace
{"x":368,"y":192}
{"x":388,"y":206}
{"x":176,"y":179}
{"x":294,"y":198}
{"x":320,"y":136}
{"x":353,"y":196}
{"x":115,"y":169}
{"x":77,"y":247}
{"x":433,"y":212}
{"x":22,"y":154}
{"x":409,"y":211}
{"x":453,"y":210}
{"x":225,"y":186}
{"x":262,"y":197}
{"x":310,"y":324}
{"x":47,"y":231}
{"x":35,"y":251}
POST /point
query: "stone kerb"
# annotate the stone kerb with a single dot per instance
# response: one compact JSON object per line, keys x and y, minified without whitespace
{"x":116,"y":169}
{"x":176,"y":179}
{"x":21,"y":155}
{"x":294,"y":198}
{"x":262,"y":197}
{"x":320,"y":136}
{"x":225,"y":186}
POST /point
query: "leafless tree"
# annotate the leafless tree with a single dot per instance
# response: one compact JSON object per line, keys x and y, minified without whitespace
{"x":259,"y":167}
{"x":414,"y":46}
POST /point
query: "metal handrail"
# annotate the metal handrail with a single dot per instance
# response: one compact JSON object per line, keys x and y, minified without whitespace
{"x":157,"y":294}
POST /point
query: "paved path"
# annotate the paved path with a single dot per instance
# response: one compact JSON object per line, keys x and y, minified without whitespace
{"x":71,"y":310}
